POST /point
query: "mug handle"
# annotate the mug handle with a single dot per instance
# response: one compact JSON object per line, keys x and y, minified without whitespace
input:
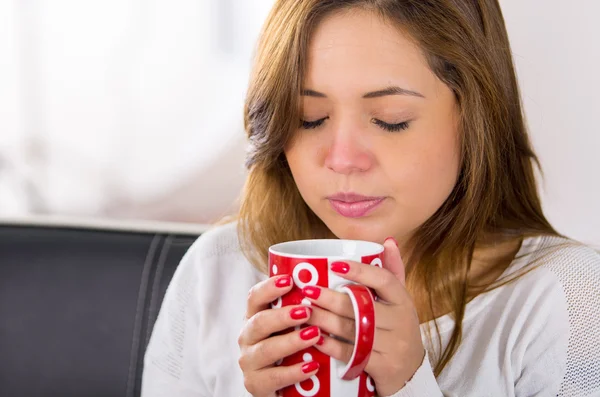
{"x":364,"y":335}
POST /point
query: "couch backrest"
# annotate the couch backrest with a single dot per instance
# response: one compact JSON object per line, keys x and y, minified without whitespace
{"x":77,"y":307}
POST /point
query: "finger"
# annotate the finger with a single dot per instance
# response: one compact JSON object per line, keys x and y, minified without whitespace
{"x":335,"y":348}
{"x":339,"y":303}
{"x":343,"y":352}
{"x":383,"y":281}
{"x":269,"y":380}
{"x":326,"y":317}
{"x":393,"y":260}
{"x":273,"y":349}
{"x":267,"y":322}
{"x":331,"y":323}
{"x":332,"y":300}
{"x":265,"y":292}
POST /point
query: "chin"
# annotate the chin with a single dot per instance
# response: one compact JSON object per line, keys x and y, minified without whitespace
{"x":359,"y":229}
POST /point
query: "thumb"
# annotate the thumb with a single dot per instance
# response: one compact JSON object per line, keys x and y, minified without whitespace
{"x":392,"y":260}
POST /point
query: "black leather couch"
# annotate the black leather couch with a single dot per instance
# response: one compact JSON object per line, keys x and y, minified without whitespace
{"x":77,"y":307}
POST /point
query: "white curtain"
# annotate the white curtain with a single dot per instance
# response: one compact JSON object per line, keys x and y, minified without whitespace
{"x":110,"y":108}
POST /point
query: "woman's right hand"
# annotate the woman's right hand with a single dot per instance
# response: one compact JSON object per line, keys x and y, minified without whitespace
{"x":260,"y":350}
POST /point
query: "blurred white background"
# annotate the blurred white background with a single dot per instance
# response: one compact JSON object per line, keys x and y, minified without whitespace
{"x":133,"y":108}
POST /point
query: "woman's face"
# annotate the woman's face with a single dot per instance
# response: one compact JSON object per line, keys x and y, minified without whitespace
{"x":378,"y":150}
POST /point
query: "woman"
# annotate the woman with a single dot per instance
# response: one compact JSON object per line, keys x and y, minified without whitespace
{"x":395,"y":121}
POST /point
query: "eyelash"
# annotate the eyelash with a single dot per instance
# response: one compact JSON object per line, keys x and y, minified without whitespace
{"x":310,"y":125}
{"x":391,"y":127}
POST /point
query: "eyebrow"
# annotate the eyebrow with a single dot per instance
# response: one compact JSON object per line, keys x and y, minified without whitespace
{"x":392,"y":90}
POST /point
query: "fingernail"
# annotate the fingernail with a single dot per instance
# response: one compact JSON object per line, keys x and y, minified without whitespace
{"x":309,"y":333}
{"x":393,"y":239}
{"x":299,"y":313}
{"x":311,"y":292}
{"x":283,"y":281}
{"x":310,"y":367}
{"x":321,"y":341}
{"x":340,"y":267}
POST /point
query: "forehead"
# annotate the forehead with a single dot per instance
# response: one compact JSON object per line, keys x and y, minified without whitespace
{"x":358,"y":48}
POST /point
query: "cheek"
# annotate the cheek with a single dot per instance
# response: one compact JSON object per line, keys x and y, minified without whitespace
{"x":426,"y":176}
{"x":303,"y":160}
{"x":443,"y":169}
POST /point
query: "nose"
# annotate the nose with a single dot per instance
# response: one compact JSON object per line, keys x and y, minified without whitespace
{"x":347,"y":153}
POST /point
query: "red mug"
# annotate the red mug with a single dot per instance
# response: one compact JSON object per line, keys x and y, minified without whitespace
{"x":308,"y":262}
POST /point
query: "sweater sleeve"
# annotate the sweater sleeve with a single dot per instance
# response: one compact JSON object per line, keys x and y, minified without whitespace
{"x":171,"y":366}
{"x":577,"y":271}
{"x":422,"y":384}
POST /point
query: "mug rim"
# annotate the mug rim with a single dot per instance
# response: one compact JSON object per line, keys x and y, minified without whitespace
{"x":279,"y":249}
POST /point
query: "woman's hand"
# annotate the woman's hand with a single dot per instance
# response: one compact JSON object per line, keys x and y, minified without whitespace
{"x":260,"y":350}
{"x":397,"y":350}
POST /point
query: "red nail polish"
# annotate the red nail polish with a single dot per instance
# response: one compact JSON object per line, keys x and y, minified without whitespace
{"x":283,"y":281}
{"x":340,"y":267}
{"x":321,"y":341}
{"x":309,"y":333}
{"x":310,"y":367}
{"x":311,"y":292}
{"x":299,"y":313}
{"x":393,"y":239}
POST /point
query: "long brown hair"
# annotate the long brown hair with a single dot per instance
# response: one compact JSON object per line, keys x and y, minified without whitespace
{"x":495,"y":198}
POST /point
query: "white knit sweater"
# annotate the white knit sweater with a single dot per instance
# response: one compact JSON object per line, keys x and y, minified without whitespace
{"x":537,"y":336}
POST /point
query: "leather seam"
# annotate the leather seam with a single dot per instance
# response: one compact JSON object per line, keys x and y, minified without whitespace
{"x":139,"y":312}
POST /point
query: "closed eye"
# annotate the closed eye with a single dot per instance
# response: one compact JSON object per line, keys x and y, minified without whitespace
{"x":391,"y":127}
{"x":309,"y":125}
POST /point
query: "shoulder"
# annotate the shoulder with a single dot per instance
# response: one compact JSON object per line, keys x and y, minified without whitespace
{"x":573,"y":265}
{"x":572,"y":271}
{"x":215,"y":260}
{"x":554,"y":287}
{"x":202,"y":258}
{"x":561,"y":293}
{"x":216,"y":242}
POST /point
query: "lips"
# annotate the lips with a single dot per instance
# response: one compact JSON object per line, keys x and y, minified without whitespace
{"x":352,"y":205}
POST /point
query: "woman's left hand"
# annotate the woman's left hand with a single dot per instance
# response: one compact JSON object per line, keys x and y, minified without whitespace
{"x":397,"y":349}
